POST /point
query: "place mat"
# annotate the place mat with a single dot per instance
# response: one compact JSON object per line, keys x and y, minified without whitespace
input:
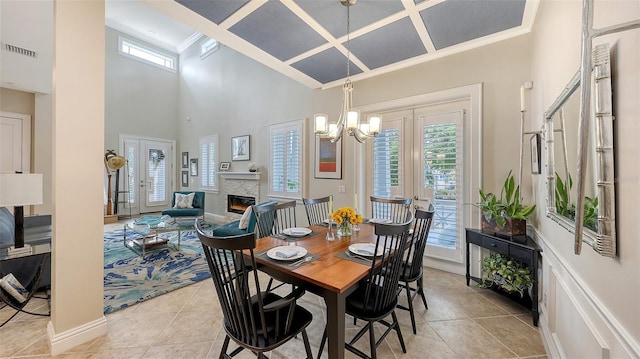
{"x":344,"y":255}
{"x":287,"y":238}
{"x":286,"y":264}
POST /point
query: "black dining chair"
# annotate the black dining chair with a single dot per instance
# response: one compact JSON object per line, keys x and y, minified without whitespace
{"x":255,"y":320}
{"x":377,"y":294}
{"x":396,"y":210}
{"x":317,"y":209}
{"x":273,"y":219}
{"x":412,"y":270}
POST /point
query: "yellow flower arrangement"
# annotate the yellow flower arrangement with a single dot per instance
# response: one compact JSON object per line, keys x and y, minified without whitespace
{"x":346,"y":215}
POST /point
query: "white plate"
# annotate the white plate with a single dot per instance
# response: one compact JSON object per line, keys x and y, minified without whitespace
{"x":380,"y":220}
{"x":357,"y":249}
{"x":271,"y":253}
{"x":296,"y":232}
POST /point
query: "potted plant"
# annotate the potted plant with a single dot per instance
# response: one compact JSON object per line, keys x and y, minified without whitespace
{"x":506,"y":215}
{"x":506,"y":273}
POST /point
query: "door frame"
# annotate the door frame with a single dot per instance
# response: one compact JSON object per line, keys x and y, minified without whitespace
{"x":473,"y":154}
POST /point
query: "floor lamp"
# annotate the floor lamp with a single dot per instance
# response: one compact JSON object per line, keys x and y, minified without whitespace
{"x":20,"y":190}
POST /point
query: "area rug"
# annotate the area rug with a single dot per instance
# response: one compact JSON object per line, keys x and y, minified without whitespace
{"x":131,"y":279}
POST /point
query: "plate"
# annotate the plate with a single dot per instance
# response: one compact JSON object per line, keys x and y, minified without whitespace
{"x":380,"y":220}
{"x":271,"y":253}
{"x":296,"y":232}
{"x":359,"y":249}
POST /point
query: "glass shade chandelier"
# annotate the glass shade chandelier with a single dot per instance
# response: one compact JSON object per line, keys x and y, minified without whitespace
{"x":349,"y":118}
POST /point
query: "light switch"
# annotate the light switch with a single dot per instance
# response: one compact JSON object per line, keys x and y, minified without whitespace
{"x":341,"y":189}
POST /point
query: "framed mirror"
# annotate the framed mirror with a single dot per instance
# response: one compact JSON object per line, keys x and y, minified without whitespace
{"x":562,"y":150}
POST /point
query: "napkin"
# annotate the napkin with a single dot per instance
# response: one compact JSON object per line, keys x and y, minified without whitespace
{"x":297,"y":232}
{"x":286,"y":253}
{"x":367,"y":250}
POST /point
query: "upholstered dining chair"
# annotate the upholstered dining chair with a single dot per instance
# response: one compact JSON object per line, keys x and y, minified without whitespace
{"x":377,"y":295}
{"x":317,"y":209}
{"x":396,"y":210}
{"x":255,"y":320}
{"x":412,"y":270}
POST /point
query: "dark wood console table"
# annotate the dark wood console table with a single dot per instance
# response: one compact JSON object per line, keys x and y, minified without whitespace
{"x":527,"y":253}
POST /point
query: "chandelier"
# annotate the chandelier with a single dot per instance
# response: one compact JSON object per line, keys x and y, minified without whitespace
{"x":349,"y":118}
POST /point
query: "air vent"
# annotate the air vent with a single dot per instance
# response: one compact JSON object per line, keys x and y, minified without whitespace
{"x":19,"y":50}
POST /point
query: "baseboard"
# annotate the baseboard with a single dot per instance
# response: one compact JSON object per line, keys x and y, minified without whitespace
{"x":60,"y":343}
{"x":215,"y":218}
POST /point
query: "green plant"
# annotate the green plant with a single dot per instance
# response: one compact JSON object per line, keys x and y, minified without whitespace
{"x":505,"y":272}
{"x":565,"y":208}
{"x":507,"y":206}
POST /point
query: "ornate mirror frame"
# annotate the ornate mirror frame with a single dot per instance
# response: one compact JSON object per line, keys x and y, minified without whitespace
{"x":604,"y":240}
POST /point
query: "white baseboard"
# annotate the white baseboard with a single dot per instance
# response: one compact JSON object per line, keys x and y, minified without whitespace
{"x":215,"y":218}
{"x":61,"y":342}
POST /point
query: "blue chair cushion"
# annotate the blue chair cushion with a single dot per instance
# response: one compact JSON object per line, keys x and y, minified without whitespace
{"x":231,"y":228}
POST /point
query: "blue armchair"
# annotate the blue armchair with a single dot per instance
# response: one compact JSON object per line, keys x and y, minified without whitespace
{"x":232,"y":228}
{"x":196,"y":211}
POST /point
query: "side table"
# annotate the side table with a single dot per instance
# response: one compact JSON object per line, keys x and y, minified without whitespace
{"x":28,"y":269}
{"x":527,"y":253}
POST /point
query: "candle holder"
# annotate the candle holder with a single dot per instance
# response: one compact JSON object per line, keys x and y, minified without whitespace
{"x":330,"y":236}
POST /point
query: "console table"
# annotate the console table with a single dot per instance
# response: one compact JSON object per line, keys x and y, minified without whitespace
{"x":28,"y":268}
{"x":527,"y":253}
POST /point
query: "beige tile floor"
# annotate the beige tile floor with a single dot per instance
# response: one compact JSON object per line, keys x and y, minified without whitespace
{"x":461,"y":322}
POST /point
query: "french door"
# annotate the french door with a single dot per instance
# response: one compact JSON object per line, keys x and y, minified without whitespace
{"x":429,"y":149}
{"x":148,"y":175}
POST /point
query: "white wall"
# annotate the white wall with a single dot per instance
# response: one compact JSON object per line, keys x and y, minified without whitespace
{"x":231,"y":95}
{"x":589,"y":302}
{"x":140,"y":99}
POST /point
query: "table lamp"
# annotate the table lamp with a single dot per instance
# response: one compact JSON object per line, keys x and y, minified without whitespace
{"x":20,"y":190}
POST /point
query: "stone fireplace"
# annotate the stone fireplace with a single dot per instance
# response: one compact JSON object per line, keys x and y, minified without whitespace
{"x":240,"y":190}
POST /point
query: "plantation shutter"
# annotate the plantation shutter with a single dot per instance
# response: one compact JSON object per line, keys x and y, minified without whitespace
{"x":387,"y":160}
{"x":286,"y":160}
{"x":209,"y":156}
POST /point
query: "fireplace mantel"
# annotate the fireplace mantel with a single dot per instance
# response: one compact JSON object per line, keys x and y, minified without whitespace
{"x":251,"y":176}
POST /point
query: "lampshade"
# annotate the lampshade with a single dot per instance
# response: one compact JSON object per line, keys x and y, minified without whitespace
{"x":21,"y":189}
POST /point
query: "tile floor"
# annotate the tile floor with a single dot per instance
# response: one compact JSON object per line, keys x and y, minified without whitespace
{"x":461,"y":322}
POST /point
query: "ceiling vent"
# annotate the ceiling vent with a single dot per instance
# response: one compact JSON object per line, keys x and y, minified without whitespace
{"x":19,"y":50}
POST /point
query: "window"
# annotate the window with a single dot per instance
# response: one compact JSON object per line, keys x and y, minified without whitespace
{"x":285,"y":177}
{"x":209,"y":158}
{"x":146,"y":54}
{"x":208,"y":47}
{"x":387,"y":161}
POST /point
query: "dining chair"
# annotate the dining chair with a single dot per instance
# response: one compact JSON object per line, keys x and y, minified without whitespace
{"x":396,"y":210}
{"x":273,"y":219}
{"x":317,"y":209}
{"x":412,"y":270}
{"x":255,"y":320}
{"x":377,"y":294}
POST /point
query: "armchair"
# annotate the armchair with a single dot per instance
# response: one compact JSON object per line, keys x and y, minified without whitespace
{"x":196,"y":210}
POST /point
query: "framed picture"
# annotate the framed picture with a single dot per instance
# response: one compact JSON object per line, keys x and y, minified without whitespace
{"x":328,"y":158}
{"x":185,"y":159}
{"x":535,"y":154}
{"x":224,"y":166}
{"x":185,"y":179}
{"x":240,"y":148}
{"x":194,"y":167}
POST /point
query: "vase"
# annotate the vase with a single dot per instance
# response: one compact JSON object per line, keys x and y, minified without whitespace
{"x":345,"y":229}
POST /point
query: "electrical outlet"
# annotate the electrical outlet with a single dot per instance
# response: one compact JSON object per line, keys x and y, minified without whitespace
{"x":342,"y":189}
{"x":528,"y":85}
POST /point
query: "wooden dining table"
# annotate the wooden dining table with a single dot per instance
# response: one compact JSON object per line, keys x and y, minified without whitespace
{"x":329,"y":276}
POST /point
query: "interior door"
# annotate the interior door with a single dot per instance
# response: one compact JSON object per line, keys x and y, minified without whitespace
{"x":15,"y":142}
{"x":147,"y":177}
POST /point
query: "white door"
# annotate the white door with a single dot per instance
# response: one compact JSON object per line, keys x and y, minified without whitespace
{"x":147,"y":178}
{"x":438,"y":175}
{"x":15,"y":142}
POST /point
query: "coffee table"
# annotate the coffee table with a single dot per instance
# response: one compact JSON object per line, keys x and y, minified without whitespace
{"x":148,"y":230}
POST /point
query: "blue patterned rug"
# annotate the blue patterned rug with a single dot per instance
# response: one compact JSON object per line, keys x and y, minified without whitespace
{"x":130,"y":279}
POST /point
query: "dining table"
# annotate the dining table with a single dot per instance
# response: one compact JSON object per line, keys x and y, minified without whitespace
{"x":330,"y":271}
